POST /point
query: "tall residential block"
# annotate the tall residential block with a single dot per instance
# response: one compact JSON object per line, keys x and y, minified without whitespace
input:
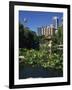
{"x":55,"y":23}
{"x":46,"y":30}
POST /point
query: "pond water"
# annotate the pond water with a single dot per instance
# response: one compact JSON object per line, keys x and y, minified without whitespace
{"x":37,"y":72}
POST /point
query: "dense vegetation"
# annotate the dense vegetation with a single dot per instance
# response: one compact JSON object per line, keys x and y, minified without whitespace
{"x":36,"y":52}
{"x":27,"y":38}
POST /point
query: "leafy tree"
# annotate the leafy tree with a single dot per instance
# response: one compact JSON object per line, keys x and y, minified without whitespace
{"x":27,"y":38}
{"x":21,"y":35}
{"x":57,"y":39}
{"x":60,"y":35}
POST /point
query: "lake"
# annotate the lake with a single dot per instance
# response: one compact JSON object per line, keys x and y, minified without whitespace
{"x":28,"y":71}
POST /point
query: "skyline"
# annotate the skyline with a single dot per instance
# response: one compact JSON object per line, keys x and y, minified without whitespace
{"x":35,"y":19}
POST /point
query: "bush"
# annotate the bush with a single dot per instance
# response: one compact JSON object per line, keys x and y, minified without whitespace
{"x":42,"y":58}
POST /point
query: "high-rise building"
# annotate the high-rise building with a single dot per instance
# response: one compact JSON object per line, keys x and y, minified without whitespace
{"x":52,"y":29}
{"x":55,"y":23}
{"x":42,"y":28}
{"x":39,"y":31}
{"x":62,"y":21}
{"x":46,"y":30}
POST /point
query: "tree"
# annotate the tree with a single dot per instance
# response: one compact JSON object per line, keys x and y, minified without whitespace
{"x":27,"y":38}
{"x":57,"y":39}
{"x":21,"y":35}
{"x":60,"y":35}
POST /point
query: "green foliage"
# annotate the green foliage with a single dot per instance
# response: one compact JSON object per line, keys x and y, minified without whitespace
{"x":27,"y":38}
{"x":57,"y":38}
{"x":42,"y":58}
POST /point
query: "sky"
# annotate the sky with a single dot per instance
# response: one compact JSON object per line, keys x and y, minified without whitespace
{"x":35,"y":19}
